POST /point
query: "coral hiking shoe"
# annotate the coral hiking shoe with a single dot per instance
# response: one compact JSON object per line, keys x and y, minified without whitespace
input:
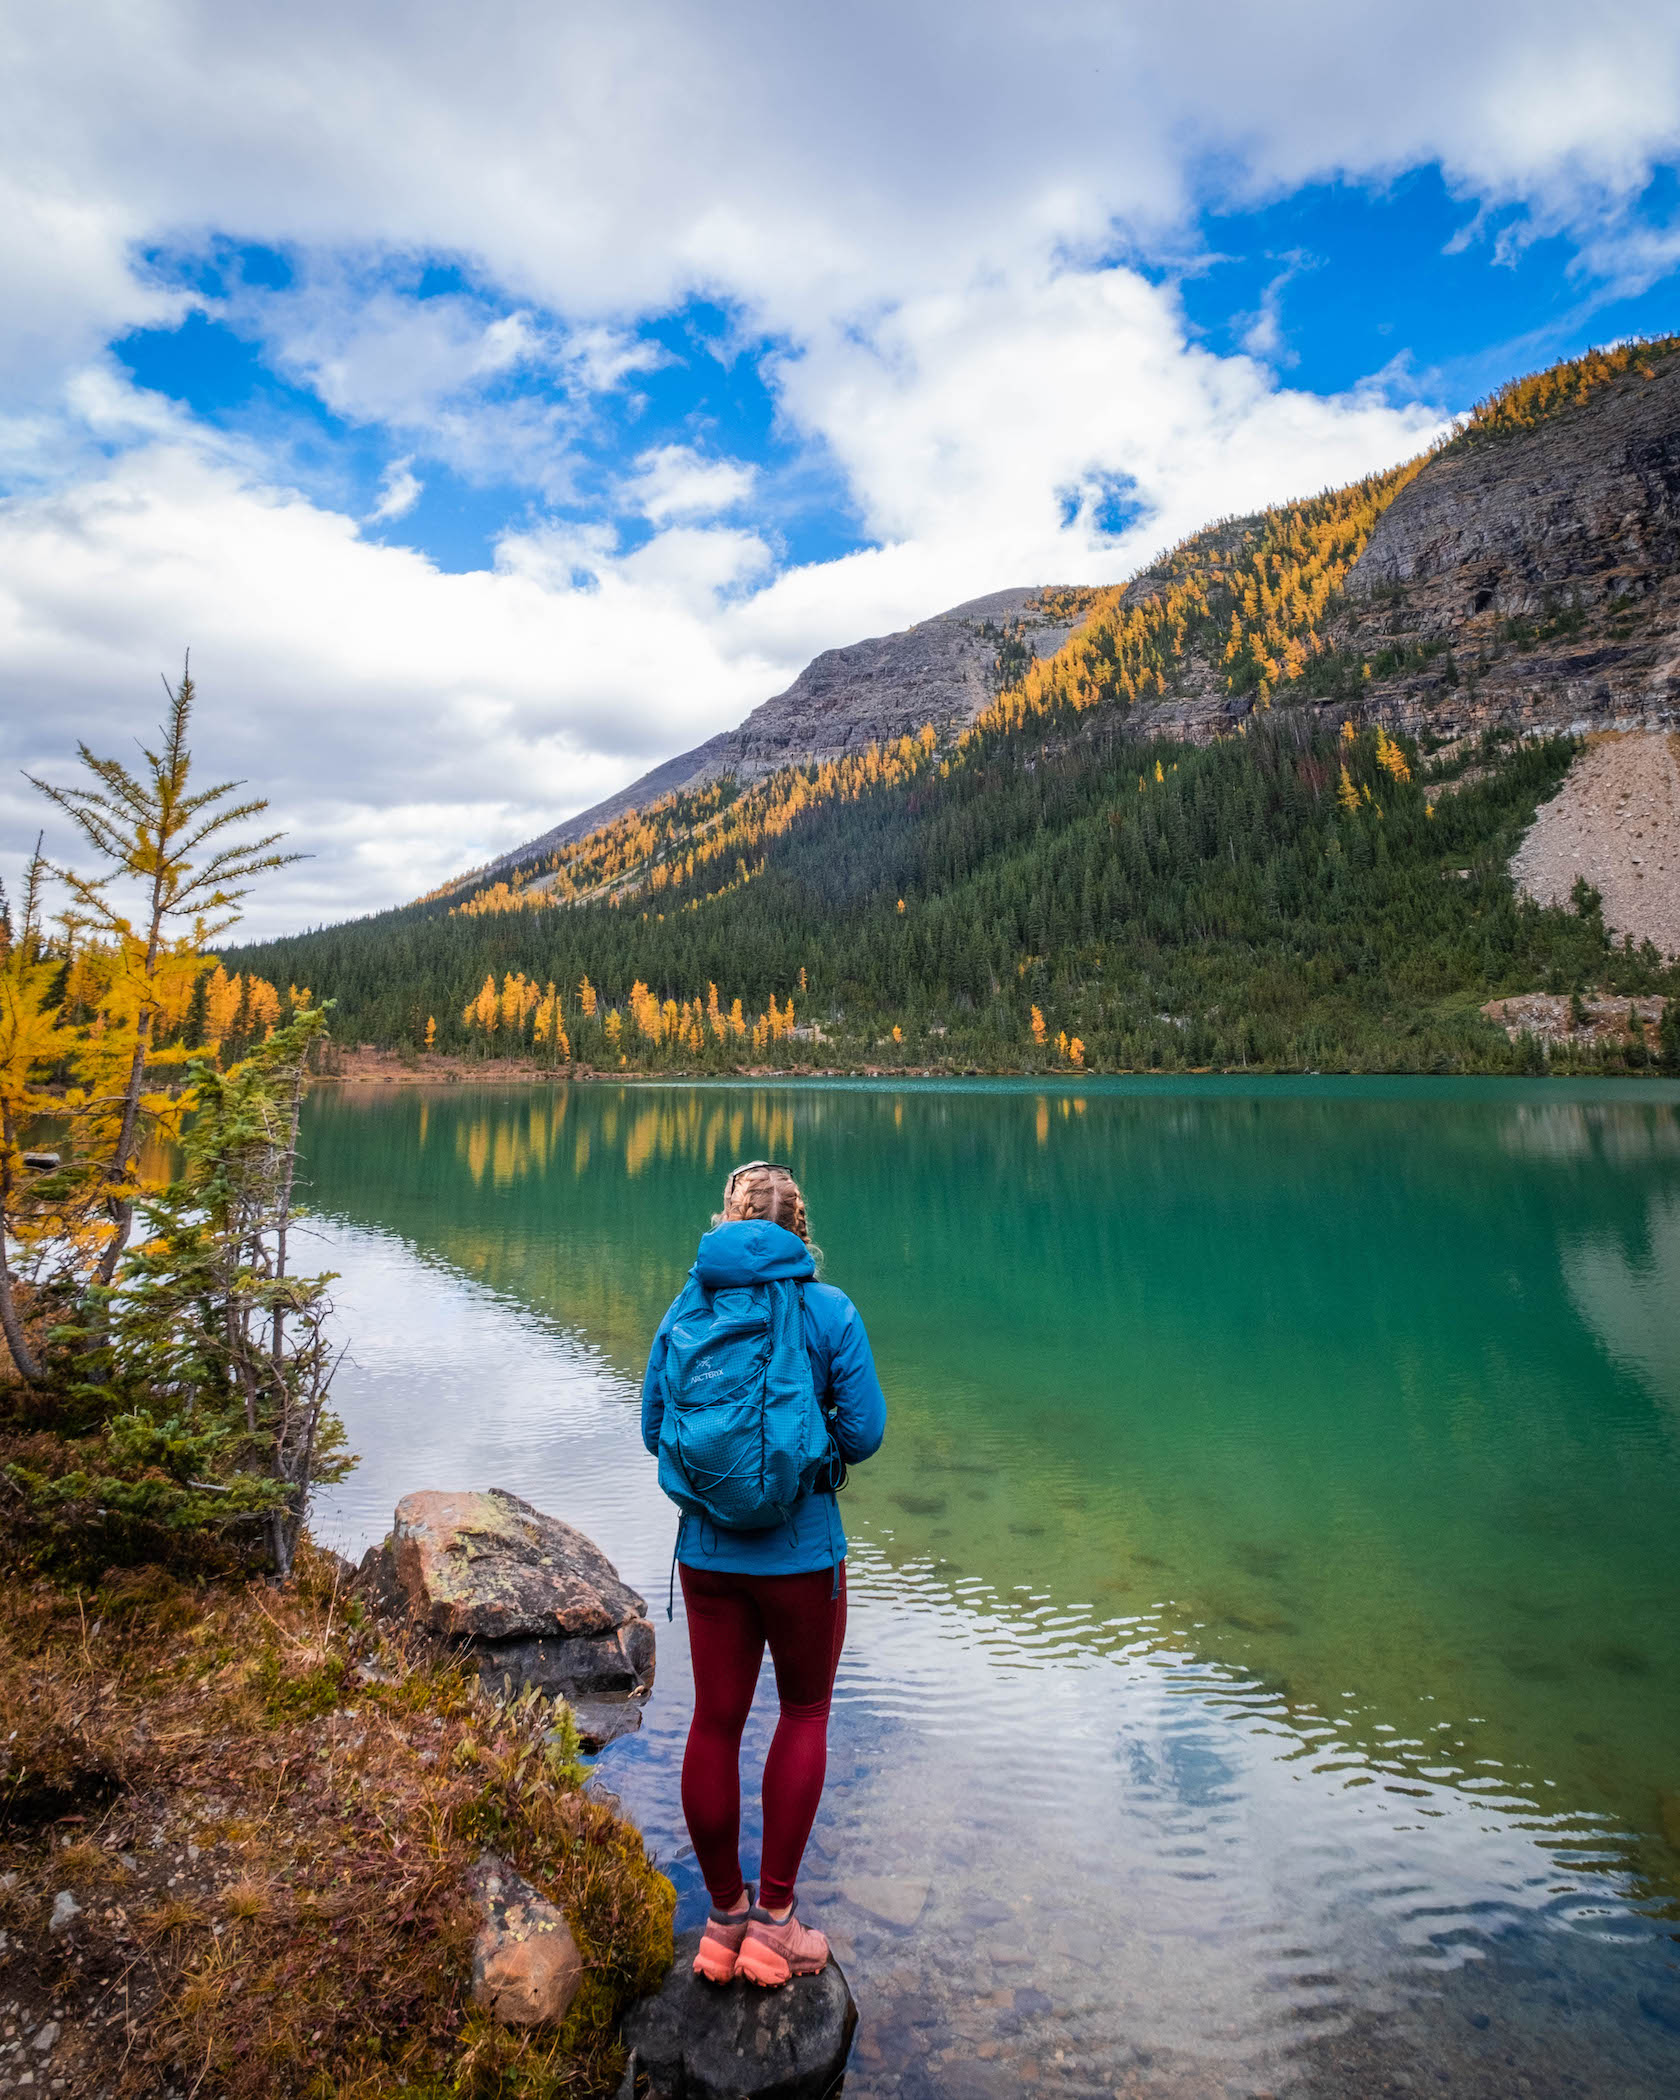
{"x":771,"y":1953}
{"x":720,"y":1944}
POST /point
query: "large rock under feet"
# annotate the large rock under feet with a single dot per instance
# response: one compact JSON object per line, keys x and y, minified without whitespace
{"x":529,"y":1598}
{"x":703,"y":2041}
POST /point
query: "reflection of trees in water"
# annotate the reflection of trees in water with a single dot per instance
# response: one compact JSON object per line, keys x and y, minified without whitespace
{"x":514,"y":1141}
{"x":1630,"y":1132}
{"x":1631,"y":1301}
{"x":511,"y":1142}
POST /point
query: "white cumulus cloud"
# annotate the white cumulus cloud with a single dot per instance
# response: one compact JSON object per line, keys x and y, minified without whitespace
{"x":674,"y":481}
{"x":399,"y":490}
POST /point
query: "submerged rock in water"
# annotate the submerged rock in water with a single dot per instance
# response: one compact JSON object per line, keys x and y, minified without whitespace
{"x":526,"y":1965}
{"x":890,"y":1899}
{"x":531,"y":1599}
{"x":705,"y":2041}
{"x":602,"y":1721}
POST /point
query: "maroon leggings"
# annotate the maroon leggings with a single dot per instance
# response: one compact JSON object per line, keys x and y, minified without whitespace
{"x":730,"y":1617}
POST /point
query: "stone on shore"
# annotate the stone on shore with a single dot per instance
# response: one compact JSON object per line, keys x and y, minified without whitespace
{"x":531,"y":1599}
{"x":704,"y":2041}
{"x":526,"y":1965}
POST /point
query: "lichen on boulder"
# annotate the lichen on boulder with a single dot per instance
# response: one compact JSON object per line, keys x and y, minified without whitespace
{"x":526,"y":1964}
{"x":527,"y":1597}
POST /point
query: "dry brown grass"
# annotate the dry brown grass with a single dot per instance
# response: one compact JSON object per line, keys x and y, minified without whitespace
{"x":293,"y":1920}
{"x":247,"y":1898}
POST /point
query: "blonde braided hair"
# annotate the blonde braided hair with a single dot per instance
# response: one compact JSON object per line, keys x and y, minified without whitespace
{"x":760,"y":1190}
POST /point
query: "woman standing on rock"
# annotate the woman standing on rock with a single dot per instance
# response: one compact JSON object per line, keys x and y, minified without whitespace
{"x":760,"y":1390}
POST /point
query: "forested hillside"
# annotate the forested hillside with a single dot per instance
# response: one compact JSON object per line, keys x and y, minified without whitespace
{"x":1289,"y":897}
{"x":1076,"y":880}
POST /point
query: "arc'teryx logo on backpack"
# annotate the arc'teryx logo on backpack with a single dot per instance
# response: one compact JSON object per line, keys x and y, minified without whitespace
{"x":743,"y":1436}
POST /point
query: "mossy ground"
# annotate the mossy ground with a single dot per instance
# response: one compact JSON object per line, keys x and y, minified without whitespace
{"x":265,"y":1810}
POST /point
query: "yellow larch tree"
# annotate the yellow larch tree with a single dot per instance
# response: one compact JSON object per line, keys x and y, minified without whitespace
{"x":223,"y":996}
{"x":34,"y":1043}
{"x":152,"y":831}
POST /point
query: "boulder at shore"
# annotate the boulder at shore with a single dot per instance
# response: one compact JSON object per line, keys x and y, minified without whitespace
{"x":530,"y":1598}
{"x":703,"y":2041}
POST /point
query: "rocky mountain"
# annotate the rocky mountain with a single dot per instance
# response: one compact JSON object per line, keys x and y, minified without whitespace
{"x":1531,"y":575}
{"x":1528,"y":574}
{"x":943,"y":670}
{"x":1162,"y":825}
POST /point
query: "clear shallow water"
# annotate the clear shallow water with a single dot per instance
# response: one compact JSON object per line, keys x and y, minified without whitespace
{"x":1265,"y":1644}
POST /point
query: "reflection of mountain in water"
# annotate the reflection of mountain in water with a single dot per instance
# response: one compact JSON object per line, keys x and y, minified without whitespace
{"x":1629,"y":1301}
{"x":1628,"y":1130}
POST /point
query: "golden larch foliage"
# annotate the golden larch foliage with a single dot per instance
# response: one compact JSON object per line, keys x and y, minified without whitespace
{"x":1522,"y":403}
{"x":666,"y":845}
{"x":1257,"y":612}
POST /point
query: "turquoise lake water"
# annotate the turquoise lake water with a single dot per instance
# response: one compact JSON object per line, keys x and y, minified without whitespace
{"x":1264,"y":1670}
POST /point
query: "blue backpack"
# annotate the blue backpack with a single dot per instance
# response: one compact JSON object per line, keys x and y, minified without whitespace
{"x":743,"y":1436}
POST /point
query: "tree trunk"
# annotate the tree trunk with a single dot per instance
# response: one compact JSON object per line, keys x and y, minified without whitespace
{"x":122,"y":1212}
{"x":29,"y":1369}
{"x":283,"y":1206}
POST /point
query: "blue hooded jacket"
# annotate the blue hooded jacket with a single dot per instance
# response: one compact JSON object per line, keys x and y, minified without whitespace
{"x":752,"y":1250}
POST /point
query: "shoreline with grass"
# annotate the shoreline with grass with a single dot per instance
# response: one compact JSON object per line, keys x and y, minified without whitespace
{"x":238,"y":1825}
{"x":1549,"y":1036}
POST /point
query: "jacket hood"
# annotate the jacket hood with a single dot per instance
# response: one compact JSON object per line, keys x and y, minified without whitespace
{"x":751,"y":1250}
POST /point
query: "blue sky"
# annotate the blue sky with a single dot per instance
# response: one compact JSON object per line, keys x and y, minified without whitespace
{"x":704,"y":385}
{"x":1397,"y":285}
{"x":497,"y":405}
{"x":1402,"y":281}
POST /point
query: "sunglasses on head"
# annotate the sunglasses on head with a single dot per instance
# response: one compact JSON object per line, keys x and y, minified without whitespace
{"x":751,"y":1166}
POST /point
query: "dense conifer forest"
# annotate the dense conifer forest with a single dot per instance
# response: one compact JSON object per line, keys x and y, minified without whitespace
{"x":1294,"y":897}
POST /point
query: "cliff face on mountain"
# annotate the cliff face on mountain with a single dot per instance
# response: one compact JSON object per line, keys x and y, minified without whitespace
{"x":1532,"y":576}
{"x":943,"y":670}
{"x":1525,"y":576}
